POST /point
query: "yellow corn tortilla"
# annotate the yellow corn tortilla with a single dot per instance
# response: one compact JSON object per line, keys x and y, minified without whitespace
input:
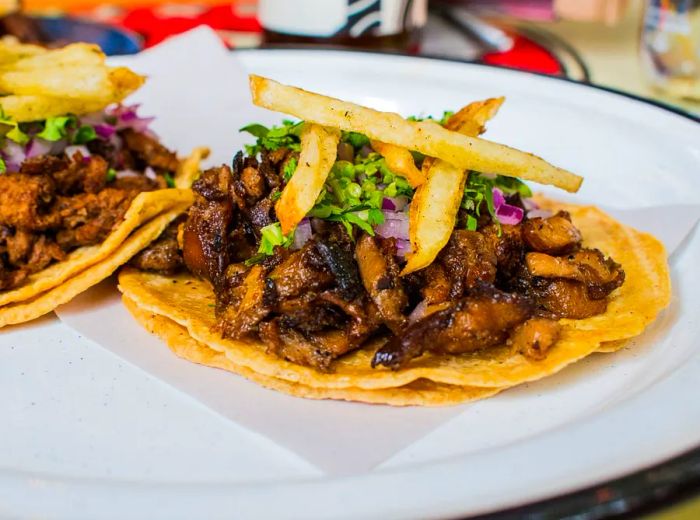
{"x":143,"y":208}
{"x":69,"y":289}
{"x":418,"y":393}
{"x":646,"y":291}
{"x":613,"y":346}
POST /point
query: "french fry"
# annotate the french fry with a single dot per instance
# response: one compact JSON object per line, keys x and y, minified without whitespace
{"x":436,"y":202}
{"x":76,"y":54}
{"x":319,"y":148}
{"x":76,"y":82}
{"x":399,"y":160}
{"x":426,"y":137}
{"x":34,"y":108}
{"x":42,"y":83}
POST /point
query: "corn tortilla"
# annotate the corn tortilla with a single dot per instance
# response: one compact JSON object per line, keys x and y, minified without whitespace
{"x":422,"y":392}
{"x":646,"y":291}
{"x":69,"y":289}
{"x":143,"y":208}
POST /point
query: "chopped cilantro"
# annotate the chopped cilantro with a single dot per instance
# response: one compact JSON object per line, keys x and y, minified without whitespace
{"x":169,"y":181}
{"x":3,"y":166}
{"x":443,"y":120}
{"x":56,"y":128}
{"x":355,"y":191}
{"x":289,"y":168}
{"x":275,"y":195}
{"x":84,"y":135}
{"x":111,"y":175}
{"x":356,"y":139}
{"x":271,"y":139}
{"x":271,"y":237}
{"x":478,"y":192}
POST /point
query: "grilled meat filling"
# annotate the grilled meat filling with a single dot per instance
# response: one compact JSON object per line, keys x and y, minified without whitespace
{"x":56,"y":203}
{"x":498,"y":285}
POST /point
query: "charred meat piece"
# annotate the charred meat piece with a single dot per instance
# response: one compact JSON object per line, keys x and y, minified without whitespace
{"x":470,"y":260}
{"x":80,"y":175}
{"x":380,"y":276}
{"x":600,"y":275}
{"x":24,"y":201}
{"x":555,"y":235}
{"x":535,"y":337}
{"x":481,"y":320}
{"x":567,"y":299}
{"x":150,"y":151}
{"x":163,"y":255}
{"x":302,"y":271}
{"x":205,"y":236}
{"x":509,"y":248}
{"x":43,"y":165}
{"x":436,"y":285}
{"x":247,"y":307}
{"x":88,"y":218}
{"x":336,"y":254}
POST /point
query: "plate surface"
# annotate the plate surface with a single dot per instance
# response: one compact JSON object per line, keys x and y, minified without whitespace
{"x":88,"y":436}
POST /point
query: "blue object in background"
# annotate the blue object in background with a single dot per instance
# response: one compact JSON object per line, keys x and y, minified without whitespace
{"x":113,"y":40}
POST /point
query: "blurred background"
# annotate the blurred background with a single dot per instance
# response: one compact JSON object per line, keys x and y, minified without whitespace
{"x":649,"y":48}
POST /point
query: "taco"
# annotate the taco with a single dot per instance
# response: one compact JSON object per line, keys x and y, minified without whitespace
{"x":75,"y":187}
{"x":355,"y":296}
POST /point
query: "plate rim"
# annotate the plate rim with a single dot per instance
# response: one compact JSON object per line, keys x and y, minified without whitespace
{"x":686,"y":462}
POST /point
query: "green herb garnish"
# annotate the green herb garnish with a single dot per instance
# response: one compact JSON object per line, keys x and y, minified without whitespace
{"x":289,"y":168}
{"x":111,"y":175}
{"x":169,"y":181}
{"x":478,"y":193}
{"x":271,"y":237}
{"x":84,"y":135}
{"x":56,"y":128}
{"x":271,"y":139}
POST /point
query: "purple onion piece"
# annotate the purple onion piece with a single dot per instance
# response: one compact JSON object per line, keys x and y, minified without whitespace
{"x":14,"y":155}
{"x":37,"y":147}
{"x":104,"y":130}
{"x":395,"y":226}
{"x":509,"y":215}
{"x":395,"y":203}
{"x":302,"y":234}
{"x":530,"y":204}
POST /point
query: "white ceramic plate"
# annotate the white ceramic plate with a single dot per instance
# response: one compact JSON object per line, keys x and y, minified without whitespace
{"x":85,"y":435}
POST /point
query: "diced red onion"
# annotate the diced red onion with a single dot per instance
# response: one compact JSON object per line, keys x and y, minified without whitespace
{"x":302,"y":234}
{"x":127,"y":117}
{"x":403,"y":247}
{"x":394,"y":203}
{"x":13,"y":154}
{"x":104,"y":131}
{"x":539,"y":213}
{"x":37,"y":147}
{"x":395,"y":225}
{"x":123,"y":174}
{"x":150,"y":173}
{"x":506,"y":213}
{"x":71,"y":151}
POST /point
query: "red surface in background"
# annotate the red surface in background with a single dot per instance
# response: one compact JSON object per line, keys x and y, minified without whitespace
{"x":157,"y":23}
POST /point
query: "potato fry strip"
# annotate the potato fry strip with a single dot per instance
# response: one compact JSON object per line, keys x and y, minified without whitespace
{"x":319,"y":148}
{"x":426,"y":137}
{"x":435,"y":204}
{"x":400,"y":161}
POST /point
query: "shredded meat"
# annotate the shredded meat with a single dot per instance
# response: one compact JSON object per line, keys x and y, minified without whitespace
{"x":380,"y":276}
{"x":555,"y":235}
{"x":163,"y":255}
{"x":56,"y":203}
{"x":150,"y":151}
{"x":495,"y":286}
{"x":479,"y":321}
